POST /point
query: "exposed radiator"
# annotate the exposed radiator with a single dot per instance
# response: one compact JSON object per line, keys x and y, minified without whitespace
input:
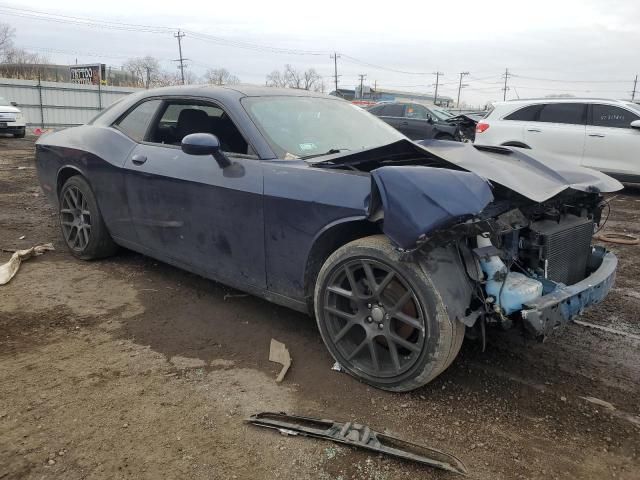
{"x":565,"y":247}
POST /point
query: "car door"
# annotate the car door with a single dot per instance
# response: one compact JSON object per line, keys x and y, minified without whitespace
{"x":393,"y":114}
{"x":417,"y":123}
{"x":611,"y":144}
{"x":186,"y":209}
{"x":560,"y":129}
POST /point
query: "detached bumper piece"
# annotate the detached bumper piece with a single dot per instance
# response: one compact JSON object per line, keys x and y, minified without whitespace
{"x":359,"y":436}
{"x":554,"y":310}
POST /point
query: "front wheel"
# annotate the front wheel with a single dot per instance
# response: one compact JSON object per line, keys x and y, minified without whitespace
{"x":82,"y":225}
{"x":382,"y":319}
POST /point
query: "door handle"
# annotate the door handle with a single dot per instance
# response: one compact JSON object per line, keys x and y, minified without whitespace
{"x":138,"y":159}
{"x":533,"y":130}
{"x":404,"y":124}
{"x":598,"y":135}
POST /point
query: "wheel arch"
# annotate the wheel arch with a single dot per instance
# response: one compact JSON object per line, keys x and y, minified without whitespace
{"x":64,"y":174}
{"x":327,"y":241}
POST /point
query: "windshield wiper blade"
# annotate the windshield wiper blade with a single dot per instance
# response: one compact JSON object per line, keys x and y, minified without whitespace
{"x":328,"y":152}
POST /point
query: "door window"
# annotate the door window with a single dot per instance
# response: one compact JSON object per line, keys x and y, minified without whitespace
{"x":136,"y":122}
{"x":393,"y":110}
{"x":610,"y":116}
{"x":526,"y":114}
{"x":181,"y":118}
{"x":569,"y":113}
{"x":416,"y":111}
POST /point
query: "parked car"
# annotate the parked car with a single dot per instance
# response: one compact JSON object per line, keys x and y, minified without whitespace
{"x":11,"y":119}
{"x":310,"y":202}
{"x":597,"y":133}
{"x":417,"y":121}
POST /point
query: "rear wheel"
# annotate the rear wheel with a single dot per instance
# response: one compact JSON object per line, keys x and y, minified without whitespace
{"x":382,"y":319}
{"x":82,"y":225}
{"x":19,"y":134}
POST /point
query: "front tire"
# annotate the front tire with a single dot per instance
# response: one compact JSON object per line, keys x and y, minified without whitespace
{"x":382,"y":319}
{"x":82,"y":226}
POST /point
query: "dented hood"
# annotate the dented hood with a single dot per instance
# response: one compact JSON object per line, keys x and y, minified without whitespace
{"x":536,"y":175}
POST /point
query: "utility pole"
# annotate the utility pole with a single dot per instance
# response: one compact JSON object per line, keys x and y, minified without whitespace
{"x":435,"y":95}
{"x":506,"y":77}
{"x":180,"y":36}
{"x":635,"y":84}
{"x":461,"y":86}
{"x":375,"y":88}
{"x":362,"y":75}
{"x":335,"y":57}
{"x":148,"y":76}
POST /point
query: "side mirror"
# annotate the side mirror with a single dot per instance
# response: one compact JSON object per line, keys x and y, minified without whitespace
{"x":429,"y":119}
{"x":635,"y":124}
{"x":14,"y":104}
{"x":204,"y":144}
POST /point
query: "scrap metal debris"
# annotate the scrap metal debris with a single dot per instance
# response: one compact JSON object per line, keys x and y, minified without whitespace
{"x":359,"y":436}
{"x":278,"y":353}
{"x":9,"y":269}
{"x":337,"y":367}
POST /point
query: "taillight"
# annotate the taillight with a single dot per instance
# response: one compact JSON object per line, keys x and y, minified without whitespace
{"x":482,"y":127}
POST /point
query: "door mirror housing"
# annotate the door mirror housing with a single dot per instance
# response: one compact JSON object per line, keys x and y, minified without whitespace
{"x":14,"y":104}
{"x":204,"y":144}
{"x":635,"y":124}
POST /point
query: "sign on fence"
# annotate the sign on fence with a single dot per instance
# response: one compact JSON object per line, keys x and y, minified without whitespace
{"x":87,"y":74}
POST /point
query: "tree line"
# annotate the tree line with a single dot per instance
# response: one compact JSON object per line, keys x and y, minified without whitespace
{"x":142,"y":72}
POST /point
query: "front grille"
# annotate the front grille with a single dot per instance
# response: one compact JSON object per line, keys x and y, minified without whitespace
{"x":565,"y":247}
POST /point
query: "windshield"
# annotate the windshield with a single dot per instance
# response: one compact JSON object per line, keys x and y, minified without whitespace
{"x":307,"y":126}
{"x":441,"y":114}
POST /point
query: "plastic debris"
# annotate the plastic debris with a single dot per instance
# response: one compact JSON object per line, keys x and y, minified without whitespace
{"x":9,"y":269}
{"x":278,"y":353}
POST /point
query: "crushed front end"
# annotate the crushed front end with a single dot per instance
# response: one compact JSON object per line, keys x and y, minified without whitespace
{"x":535,"y":265}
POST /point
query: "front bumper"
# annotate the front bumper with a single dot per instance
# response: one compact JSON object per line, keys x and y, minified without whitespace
{"x":12,"y":128}
{"x":554,"y":310}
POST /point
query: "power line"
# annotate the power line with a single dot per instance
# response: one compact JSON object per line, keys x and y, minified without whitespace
{"x":567,"y":81}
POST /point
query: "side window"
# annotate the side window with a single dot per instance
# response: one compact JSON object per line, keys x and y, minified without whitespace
{"x":376,"y":110}
{"x":569,"y":113}
{"x":526,"y":114}
{"x":182,"y":118}
{"x":136,"y":123}
{"x":393,"y":110}
{"x":610,"y":116}
{"x":416,"y":111}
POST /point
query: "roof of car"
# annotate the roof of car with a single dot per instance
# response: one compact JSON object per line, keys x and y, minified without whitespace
{"x":235,"y":91}
{"x":530,"y":101}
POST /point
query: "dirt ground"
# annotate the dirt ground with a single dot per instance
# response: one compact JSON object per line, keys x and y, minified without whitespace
{"x":129,"y":368}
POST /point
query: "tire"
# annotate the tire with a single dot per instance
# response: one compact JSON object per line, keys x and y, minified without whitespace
{"x":20,"y":135}
{"x":81,"y":223}
{"x":363,"y":326}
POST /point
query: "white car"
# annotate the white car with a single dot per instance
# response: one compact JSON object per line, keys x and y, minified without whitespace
{"x":597,"y":133}
{"x":11,"y":119}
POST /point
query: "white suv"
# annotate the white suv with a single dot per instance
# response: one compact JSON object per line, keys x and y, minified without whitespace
{"x":597,"y":133}
{"x":11,"y":119}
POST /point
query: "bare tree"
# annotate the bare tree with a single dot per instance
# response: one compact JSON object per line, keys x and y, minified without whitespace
{"x":7,"y":32}
{"x":220,"y":76}
{"x":145,"y":70}
{"x":292,"y":78}
{"x":276,"y":79}
{"x":19,"y":63}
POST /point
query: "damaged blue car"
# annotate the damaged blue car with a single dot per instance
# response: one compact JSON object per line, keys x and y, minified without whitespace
{"x":397,"y":248}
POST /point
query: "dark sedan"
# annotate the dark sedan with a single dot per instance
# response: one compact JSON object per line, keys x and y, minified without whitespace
{"x":397,"y":248}
{"x":417,"y":121}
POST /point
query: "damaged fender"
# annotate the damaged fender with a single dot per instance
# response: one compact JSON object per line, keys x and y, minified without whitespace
{"x":416,"y":200}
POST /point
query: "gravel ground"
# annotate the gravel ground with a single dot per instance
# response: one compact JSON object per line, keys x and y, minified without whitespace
{"x":129,"y":368}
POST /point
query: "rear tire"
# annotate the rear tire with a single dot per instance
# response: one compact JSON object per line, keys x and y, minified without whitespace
{"x":82,"y":226}
{"x":382,"y":319}
{"x":19,"y":135}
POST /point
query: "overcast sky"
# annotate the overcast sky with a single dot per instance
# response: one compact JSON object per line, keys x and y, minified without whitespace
{"x":584,"y":47}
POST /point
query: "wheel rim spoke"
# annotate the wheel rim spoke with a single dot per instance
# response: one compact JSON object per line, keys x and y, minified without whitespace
{"x":75,"y":219}
{"x":372,"y":318}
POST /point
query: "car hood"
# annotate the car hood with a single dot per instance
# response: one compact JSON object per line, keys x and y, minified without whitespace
{"x":8,"y":109}
{"x":536,"y":175}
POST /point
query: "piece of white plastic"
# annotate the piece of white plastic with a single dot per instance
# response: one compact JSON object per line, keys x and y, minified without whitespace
{"x":9,"y":269}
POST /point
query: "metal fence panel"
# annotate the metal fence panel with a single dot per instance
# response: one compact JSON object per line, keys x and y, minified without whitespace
{"x":53,"y":104}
